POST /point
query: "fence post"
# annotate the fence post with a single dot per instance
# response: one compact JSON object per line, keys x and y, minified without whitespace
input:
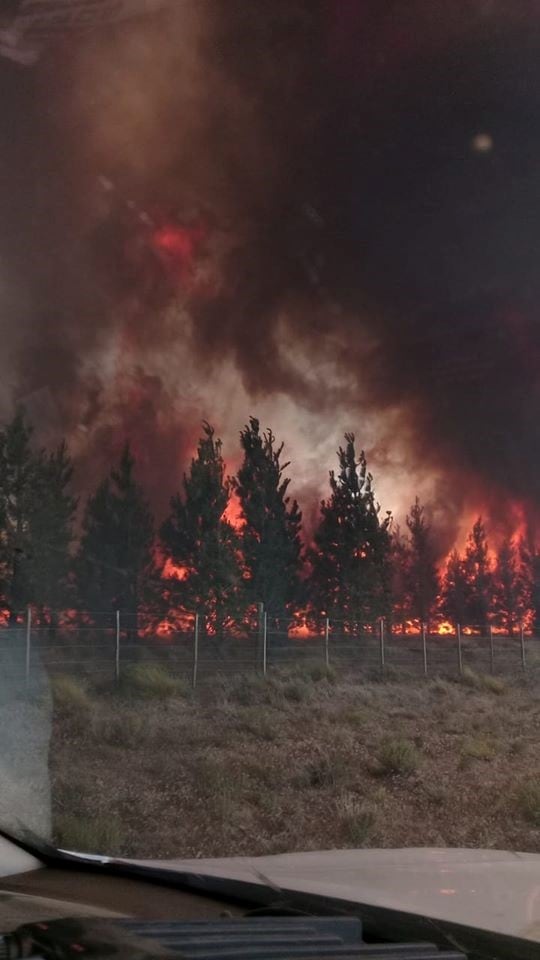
{"x":381,"y":643}
{"x":260,"y":635}
{"x":522,"y":641}
{"x":326,"y":638}
{"x":28,"y":643}
{"x":459,"y":653}
{"x":424,"y":648}
{"x":264,"y":641}
{"x":491,"y":651}
{"x":117,"y":649}
{"x":195,"y":652}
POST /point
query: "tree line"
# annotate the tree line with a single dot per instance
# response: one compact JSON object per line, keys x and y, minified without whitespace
{"x":107,"y":553}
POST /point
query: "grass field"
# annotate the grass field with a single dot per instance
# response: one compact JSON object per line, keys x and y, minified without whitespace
{"x":302,"y":760}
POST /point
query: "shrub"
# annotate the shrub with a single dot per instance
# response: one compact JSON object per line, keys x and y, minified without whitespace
{"x":102,"y":835}
{"x":259,"y":722}
{"x":297,"y":691}
{"x":493,"y":684}
{"x":318,"y":671}
{"x":219,"y":784}
{"x":324,"y":771}
{"x":250,"y":690}
{"x":153,"y":682}
{"x":397,"y":755}
{"x":356,"y":820}
{"x":354,"y":716}
{"x":470,"y":679}
{"x":127,"y":729}
{"x":70,"y":698}
{"x":443,"y":687}
{"x":528,"y":801}
{"x":478,"y":748}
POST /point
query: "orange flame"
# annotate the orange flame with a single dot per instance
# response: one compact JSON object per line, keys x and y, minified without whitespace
{"x":300,"y":631}
{"x":174,"y":570}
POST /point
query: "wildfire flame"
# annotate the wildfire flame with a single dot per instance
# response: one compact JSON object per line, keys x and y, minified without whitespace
{"x":178,"y":246}
{"x":300,"y":631}
{"x":174,"y":571}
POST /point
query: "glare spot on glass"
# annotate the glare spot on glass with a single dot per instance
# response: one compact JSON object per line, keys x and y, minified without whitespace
{"x":482,"y":143}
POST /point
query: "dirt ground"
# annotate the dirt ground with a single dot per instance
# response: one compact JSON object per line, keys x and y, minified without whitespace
{"x":298,"y":762}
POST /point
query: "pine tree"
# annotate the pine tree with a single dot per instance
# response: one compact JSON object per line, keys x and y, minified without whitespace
{"x":115,"y":564}
{"x":512,"y":586}
{"x":18,"y":497}
{"x":271,"y":522}
{"x":533,"y":557}
{"x":197,"y":537}
{"x":454,"y":590}
{"x":51,"y":530}
{"x":350,"y":558}
{"x":479,"y":577}
{"x":399,"y":555}
{"x":421,"y":579}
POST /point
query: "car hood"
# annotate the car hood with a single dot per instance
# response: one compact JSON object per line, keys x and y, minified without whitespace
{"x":491,"y":890}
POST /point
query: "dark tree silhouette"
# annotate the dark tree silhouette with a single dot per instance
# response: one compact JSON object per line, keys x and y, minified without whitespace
{"x":512,"y":586}
{"x":115,"y":565}
{"x":198,"y":538}
{"x":479,"y":577}
{"x":421,"y":578}
{"x":271,"y":541}
{"x":18,"y":501}
{"x":350,"y":558}
{"x":399,"y":555}
{"x":51,"y":524}
{"x":454,"y":590}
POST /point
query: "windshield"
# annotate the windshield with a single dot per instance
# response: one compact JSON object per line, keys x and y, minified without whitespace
{"x":269,"y":470}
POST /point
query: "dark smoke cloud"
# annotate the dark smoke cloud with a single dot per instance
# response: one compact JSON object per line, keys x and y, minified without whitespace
{"x":329,"y":147}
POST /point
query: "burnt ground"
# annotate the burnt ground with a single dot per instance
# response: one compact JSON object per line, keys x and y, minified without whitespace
{"x":298,"y":762}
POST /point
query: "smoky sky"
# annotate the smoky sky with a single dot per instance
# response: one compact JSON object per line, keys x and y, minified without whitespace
{"x":367,"y":176}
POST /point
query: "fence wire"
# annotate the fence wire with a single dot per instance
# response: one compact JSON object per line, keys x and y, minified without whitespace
{"x":197,"y":653}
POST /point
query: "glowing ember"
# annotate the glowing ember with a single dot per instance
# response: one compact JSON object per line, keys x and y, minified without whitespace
{"x":174,"y":570}
{"x":233,"y":513}
{"x":178,"y":246}
{"x":300,"y":631}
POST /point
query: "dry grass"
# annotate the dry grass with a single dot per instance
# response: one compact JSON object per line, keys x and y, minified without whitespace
{"x":92,"y":835}
{"x":479,"y":748}
{"x":483,"y":681}
{"x":356,"y":820}
{"x":397,"y":756}
{"x":125,"y":729}
{"x":247,"y":768}
{"x":528,"y":801}
{"x":70,"y":698}
{"x":151,"y":681}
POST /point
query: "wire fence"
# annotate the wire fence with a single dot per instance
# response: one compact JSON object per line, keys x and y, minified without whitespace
{"x":197,"y":653}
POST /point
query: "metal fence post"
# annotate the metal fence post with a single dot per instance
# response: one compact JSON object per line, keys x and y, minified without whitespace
{"x":491,"y":651}
{"x":459,"y":653}
{"x":260,"y":635}
{"x":326,"y":644}
{"x":28,"y":643}
{"x":381,"y":643}
{"x":117,"y":649}
{"x":424,"y":648}
{"x":264,"y":641}
{"x":522,"y":641}
{"x":195,"y":652}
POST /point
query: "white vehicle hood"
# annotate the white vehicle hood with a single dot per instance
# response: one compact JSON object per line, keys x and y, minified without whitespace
{"x":493,"y":890}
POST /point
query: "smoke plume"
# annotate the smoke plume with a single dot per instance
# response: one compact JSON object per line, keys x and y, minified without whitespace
{"x":324,"y":213}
